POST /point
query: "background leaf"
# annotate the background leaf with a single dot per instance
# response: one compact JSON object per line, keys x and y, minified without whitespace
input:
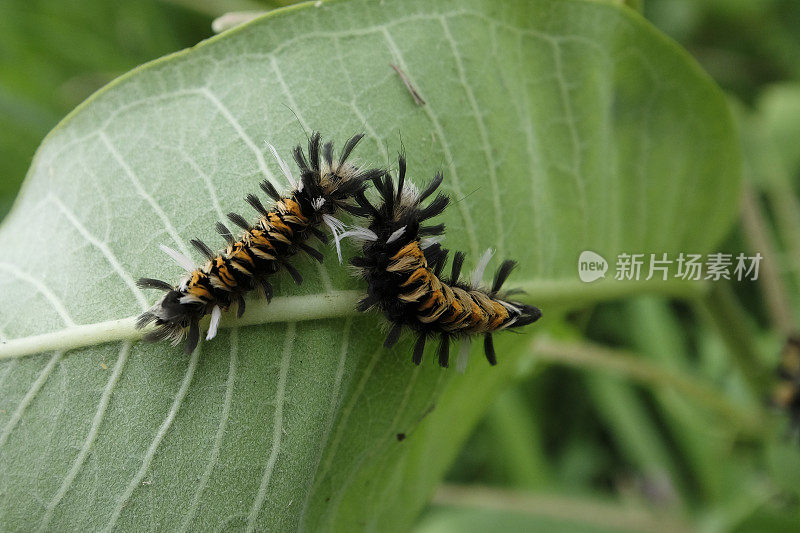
{"x":54,"y":54}
{"x":560,"y":126}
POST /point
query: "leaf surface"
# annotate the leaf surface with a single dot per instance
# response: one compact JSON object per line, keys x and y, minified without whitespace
{"x":560,"y":127}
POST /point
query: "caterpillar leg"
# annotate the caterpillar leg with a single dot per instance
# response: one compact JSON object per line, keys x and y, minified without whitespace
{"x":239,"y":305}
{"x":393,"y":335}
{"x":419,"y":347}
{"x":488,"y":348}
{"x":193,"y":337}
{"x":444,"y":351}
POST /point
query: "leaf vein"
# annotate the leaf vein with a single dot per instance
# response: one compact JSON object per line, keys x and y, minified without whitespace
{"x":102,"y":407}
{"x":455,"y":181}
{"x":212,"y":191}
{"x":482,"y":132}
{"x":262,"y":164}
{"x":331,"y":416}
{"x":345,"y":416}
{"x":151,"y":450}
{"x":44,"y":290}
{"x":29,"y":396}
{"x":370,"y":451}
{"x":277,"y":427}
{"x":223,"y":423}
{"x":104,"y":249}
{"x":570,"y":120}
{"x":143,"y":193}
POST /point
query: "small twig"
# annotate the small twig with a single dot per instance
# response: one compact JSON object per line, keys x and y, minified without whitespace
{"x":776,"y":295}
{"x":587,"y":356}
{"x":414,"y":94}
{"x":573,"y":509}
{"x":724,"y":311}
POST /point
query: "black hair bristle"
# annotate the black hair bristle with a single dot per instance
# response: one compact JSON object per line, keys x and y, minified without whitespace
{"x":255,"y":202}
{"x":393,"y":335}
{"x":203,"y":248}
{"x":419,"y":348}
{"x":502,"y":274}
{"x":150,"y":283}
{"x":349,"y":146}
{"x":313,"y":252}
{"x":296,"y":276}
{"x":193,"y":337}
{"x":239,"y":221}
{"x":223,"y":230}
{"x":269,"y":188}
{"x":444,"y":351}
{"x":488,"y":348}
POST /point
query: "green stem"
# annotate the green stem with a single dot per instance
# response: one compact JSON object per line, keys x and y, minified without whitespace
{"x":776,"y":295}
{"x":784,"y":205}
{"x":596,"y":512}
{"x":723,"y":310}
{"x":588,"y":356}
{"x":572,"y":294}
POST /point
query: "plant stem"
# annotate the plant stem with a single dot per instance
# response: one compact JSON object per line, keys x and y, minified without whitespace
{"x":573,"y":293}
{"x":596,"y":512}
{"x":588,"y":356}
{"x":755,"y":229}
{"x":723,"y":310}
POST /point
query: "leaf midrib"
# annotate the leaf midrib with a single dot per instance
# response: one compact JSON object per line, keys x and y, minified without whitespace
{"x":558,"y":294}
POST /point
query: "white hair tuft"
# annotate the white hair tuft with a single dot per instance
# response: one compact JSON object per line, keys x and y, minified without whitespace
{"x":182,"y":261}
{"x":285,"y":169}
{"x":477,"y":274}
{"x":216,"y":314}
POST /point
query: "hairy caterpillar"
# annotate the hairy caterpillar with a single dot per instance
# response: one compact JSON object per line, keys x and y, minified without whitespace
{"x":325,"y":186}
{"x":402,"y":264}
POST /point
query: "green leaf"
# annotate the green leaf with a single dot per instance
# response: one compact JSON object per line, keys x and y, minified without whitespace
{"x":560,"y":126}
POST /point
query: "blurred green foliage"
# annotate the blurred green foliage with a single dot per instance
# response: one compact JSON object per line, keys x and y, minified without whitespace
{"x":744,"y":44}
{"x":567,"y":429}
{"x":55,"y":53}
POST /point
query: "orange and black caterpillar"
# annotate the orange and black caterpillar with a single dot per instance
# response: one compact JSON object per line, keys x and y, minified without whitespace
{"x":265,"y":247}
{"x":403,"y":264}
